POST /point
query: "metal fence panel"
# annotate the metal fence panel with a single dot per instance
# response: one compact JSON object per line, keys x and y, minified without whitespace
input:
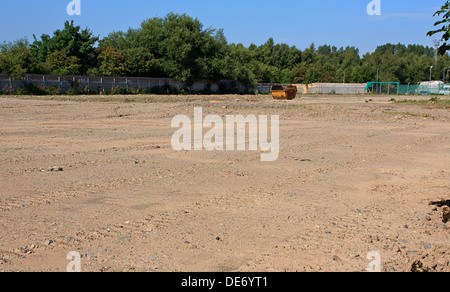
{"x":336,"y":88}
{"x":101,"y":84}
{"x":318,"y":88}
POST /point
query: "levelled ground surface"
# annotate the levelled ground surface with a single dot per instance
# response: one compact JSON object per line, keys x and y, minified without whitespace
{"x":97,"y":175}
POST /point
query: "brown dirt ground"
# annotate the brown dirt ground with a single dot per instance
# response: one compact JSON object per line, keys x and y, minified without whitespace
{"x":354,"y":176}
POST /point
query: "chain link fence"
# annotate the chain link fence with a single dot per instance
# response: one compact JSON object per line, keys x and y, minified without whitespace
{"x":423,"y":88}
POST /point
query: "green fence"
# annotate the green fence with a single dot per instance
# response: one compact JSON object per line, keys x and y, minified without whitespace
{"x":408,"y":89}
{"x":382,"y":87}
{"x":424,"y":88}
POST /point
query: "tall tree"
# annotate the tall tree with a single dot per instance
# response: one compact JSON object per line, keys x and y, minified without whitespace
{"x":175,"y":46}
{"x":73,"y":42}
{"x":17,"y":59}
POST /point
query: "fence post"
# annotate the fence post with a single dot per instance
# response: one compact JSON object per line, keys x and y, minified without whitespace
{"x":43,"y":78}
{"x":10,"y":82}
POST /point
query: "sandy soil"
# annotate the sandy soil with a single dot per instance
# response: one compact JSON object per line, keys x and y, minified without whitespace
{"x":354,"y":176}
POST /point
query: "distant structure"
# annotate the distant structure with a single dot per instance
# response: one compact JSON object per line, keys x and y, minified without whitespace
{"x":430,"y":87}
{"x":436,"y":47}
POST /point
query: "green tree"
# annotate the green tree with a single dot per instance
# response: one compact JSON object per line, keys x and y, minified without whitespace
{"x":73,"y":41}
{"x":141,"y":62}
{"x":184,"y":46}
{"x":17,"y":59}
{"x":175,"y":46}
{"x":238,"y":63}
{"x":364,"y":73}
{"x":59,"y":63}
{"x":178,"y":46}
{"x":111,"y":63}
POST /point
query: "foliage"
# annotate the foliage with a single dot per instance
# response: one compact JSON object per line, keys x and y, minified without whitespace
{"x":179,"y":47}
{"x":17,"y":59}
{"x":69,"y":45}
{"x":445,"y":29}
{"x":111,"y":63}
{"x":176,"y":46}
{"x":59,"y":63}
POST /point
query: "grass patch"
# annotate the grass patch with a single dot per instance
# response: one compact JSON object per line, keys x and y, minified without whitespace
{"x":409,"y":114}
{"x":432,"y":103}
{"x":433,"y":100}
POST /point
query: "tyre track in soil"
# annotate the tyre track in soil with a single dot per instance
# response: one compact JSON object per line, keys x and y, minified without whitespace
{"x":45,"y":199}
{"x":170,"y":225}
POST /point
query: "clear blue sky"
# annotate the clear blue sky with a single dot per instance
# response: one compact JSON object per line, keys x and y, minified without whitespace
{"x":295,"y":22}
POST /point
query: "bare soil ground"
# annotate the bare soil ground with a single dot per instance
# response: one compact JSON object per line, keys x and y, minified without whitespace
{"x":96,"y":175}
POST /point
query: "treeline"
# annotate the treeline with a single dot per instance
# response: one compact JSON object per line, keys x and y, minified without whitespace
{"x":179,"y":47}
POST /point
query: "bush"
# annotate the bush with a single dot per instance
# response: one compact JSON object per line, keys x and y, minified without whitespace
{"x":72,"y":91}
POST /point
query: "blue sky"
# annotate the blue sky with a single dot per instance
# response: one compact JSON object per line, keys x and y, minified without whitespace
{"x":295,"y":22}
